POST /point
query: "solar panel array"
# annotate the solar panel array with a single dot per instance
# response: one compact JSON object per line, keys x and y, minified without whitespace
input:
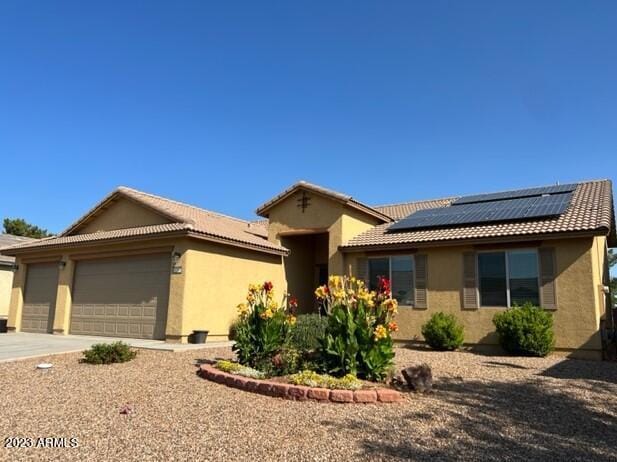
{"x":497,"y":209}
{"x":557,"y":189}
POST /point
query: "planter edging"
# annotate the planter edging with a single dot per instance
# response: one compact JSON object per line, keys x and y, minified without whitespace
{"x":299,"y":392}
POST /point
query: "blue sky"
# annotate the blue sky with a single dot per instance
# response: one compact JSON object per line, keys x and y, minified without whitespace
{"x":223,"y":104}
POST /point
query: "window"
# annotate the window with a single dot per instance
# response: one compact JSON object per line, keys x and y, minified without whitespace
{"x":508,"y":278}
{"x":400,"y":271}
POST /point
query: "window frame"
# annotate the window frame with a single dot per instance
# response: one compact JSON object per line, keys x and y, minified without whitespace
{"x":389,"y":257}
{"x":507,"y":260}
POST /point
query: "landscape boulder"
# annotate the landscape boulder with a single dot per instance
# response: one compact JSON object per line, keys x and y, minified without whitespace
{"x":418,"y":377}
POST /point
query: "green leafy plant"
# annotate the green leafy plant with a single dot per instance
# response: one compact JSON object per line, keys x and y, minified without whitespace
{"x":443,"y":332}
{"x":525,"y":330}
{"x":262,"y":330}
{"x":308,"y":331}
{"x":108,"y":353}
{"x":239,"y":369}
{"x":313,"y":379}
{"x":357,"y":338}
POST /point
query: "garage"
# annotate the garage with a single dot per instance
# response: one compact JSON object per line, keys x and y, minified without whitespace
{"x":40,"y":297}
{"x":121,"y":296}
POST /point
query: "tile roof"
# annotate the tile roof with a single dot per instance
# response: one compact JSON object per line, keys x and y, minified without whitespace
{"x":190,"y":219}
{"x":591,"y":210}
{"x":399,"y":211}
{"x":335,"y":195}
{"x":8,"y":240}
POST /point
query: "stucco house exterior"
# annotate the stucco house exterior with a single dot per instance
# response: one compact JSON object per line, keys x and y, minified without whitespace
{"x":6,"y":271}
{"x":139,"y":265}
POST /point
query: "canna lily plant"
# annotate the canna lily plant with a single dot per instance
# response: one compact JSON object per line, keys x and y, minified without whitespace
{"x":264,"y":325}
{"x":360,"y":322}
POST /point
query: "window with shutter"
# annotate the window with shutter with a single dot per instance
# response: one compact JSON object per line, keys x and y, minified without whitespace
{"x":421,"y":292}
{"x":470,"y":281}
{"x":548,"y":295}
{"x":362,"y":270}
{"x":401,"y":271}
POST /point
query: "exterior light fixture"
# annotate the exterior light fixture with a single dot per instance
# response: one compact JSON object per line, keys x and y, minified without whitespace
{"x":14,"y":267}
{"x":176,"y":268}
{"x":61,"y":264}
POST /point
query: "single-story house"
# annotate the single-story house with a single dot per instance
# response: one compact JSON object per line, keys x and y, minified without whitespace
{"x":139,"y":265}
{"x":6,"y":271}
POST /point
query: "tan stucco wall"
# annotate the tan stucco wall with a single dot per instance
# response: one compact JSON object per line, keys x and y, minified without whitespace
{"x":576,"y":318}
{"x":122,"y":213}
{"x":216,"y":281}
{"x":6,"y":284}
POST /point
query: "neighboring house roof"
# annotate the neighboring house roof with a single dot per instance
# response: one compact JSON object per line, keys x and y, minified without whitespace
{"x":344,"y":199}
{"x":591,"y":210}
{"x":9,"y":240}
{"x":186,"y":219}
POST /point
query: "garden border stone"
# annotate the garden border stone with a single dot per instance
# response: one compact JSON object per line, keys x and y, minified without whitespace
{"x":299,"y":392}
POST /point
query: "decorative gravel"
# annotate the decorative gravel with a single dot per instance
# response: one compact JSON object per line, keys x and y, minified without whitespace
{"x":482,"y":408}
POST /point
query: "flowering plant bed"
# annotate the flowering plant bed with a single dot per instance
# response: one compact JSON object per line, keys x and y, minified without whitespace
{"x":291,"y":391}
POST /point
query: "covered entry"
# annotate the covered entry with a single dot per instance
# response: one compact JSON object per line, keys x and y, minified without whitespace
{"x":121,"y":296}
{"x":306,"y":267}
{"x":40,"y":297}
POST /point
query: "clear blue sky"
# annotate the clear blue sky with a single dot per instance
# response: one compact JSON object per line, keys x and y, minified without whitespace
{"x":223,"y":104}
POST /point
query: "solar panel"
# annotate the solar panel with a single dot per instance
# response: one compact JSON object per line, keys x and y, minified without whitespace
{"x":486,"y":212}
{"x":557,"y":189}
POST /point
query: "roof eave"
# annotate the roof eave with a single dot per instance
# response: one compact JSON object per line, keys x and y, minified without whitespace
{"x":221,"y":240}
{"x":473,"y":240}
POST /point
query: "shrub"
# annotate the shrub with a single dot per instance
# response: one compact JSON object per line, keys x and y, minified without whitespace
{"x":313,"y":379}
{"x":108,"y":353}
{"x":308,"y":331}
{"x":443,"y":332}
{"x":357,"y":338}
{"x":263,"y":328}
{"x":525,"y":330}
{"x":239,"y":369}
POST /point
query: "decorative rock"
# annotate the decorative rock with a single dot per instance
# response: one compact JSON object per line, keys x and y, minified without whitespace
{"x":386,"y":395}
{"x":365,"y":396}
{"x":341,"y":396}
{"x":419,"y":377}
{"x":321,"y":394}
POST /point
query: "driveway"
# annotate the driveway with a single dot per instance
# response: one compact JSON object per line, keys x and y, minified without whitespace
{"x":22,"y":345}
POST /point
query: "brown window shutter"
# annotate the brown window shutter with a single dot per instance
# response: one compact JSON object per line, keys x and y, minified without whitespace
{"x":421,"y":273}
{"x":548,"y":295}
{"x":470,"y":281}
{"x":362,"y":269}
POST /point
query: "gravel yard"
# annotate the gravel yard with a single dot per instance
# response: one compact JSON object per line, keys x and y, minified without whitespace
{"x":483,"y":408}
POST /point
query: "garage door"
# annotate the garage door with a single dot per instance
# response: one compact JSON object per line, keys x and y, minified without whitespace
{"x":40,"y":297}
{"x":121,"y":297}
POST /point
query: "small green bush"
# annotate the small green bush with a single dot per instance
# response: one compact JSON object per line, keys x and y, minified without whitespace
{"x":313,"y":379}
{"x":443,"y":332}
{"x":308,"y":332}
{"x":525,"y":330}
{"x":108,"y":353}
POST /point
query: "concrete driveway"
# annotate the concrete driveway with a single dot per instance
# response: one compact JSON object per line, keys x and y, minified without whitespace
{"x":22,"y":345}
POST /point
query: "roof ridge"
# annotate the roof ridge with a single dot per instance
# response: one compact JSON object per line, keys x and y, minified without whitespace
{"x":417,"y":201}
{"x":184,"y":204}
{"x":600,"y":180}
{"x":538,"y":186}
